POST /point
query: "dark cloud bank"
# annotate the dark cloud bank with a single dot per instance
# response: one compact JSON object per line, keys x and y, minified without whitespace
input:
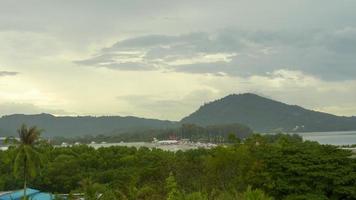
{"x":328,"y":54}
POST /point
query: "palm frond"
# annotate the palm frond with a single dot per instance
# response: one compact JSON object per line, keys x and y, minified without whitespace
{"x":33,"y":161}
{"x":27,"y":161}
{"x":19,"y":161}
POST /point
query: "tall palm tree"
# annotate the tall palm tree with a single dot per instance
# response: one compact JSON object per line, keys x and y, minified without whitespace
{"x":27,"y":160}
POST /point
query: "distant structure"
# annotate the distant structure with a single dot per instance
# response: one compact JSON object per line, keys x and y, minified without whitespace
{"x":164,"y":142}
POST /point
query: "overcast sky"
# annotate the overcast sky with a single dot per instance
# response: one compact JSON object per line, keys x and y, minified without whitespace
{"x":163,"y":59}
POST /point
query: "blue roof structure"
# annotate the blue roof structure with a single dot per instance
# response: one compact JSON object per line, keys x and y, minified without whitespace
{"x":32,"y":194}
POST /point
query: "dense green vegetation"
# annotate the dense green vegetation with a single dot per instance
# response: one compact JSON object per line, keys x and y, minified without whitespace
{"x":214,"y":133}
{"x":266,"y":115}
{"x":263,"y":167}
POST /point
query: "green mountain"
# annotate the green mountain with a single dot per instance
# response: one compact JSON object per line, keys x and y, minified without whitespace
{"x":81,"y":125}
{"x":259,"y":113}
{"x":263,"y":114}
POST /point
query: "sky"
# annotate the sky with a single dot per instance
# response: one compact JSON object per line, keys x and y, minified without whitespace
{"x":163,"y":59}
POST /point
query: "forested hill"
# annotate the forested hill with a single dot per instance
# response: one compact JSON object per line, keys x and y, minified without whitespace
{"x":263,"y":114}
{"x":79,"y":126}
{"x":259,"y":113}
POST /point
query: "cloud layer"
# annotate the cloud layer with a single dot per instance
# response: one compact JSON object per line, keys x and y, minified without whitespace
{"x":8,"y":73}
{"x":326,"y":54}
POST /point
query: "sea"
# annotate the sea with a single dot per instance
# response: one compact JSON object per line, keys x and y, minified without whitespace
{"x":334,"y":138}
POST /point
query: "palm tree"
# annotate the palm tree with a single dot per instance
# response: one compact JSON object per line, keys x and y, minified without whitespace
{"x":27,"y":160}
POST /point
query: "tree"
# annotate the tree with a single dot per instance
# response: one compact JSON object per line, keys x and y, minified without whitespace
{"x":92,"y":191}
{"x":172,"y":188}
{"x":147,"y":193}
{"x":232,"y":138}
{"x":256,"y":194}
{"x":27,"y":160}
{"x":196,"y":196}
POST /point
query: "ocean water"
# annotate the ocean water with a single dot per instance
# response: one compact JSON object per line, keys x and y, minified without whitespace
{"x":334,"y":138}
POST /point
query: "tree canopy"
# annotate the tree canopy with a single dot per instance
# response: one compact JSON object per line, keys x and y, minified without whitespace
{"x":261,"y":167}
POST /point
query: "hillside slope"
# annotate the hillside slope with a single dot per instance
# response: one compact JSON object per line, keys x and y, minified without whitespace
{"x":259,"y":113}
{"x":263,"y":114}
{"x":79,"y":126}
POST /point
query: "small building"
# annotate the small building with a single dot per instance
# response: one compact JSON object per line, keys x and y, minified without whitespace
{"x":167,"y":142}
{"x":32,"y":194}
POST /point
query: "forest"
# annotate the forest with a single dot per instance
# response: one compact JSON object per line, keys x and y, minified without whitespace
{"x":259,"y":167}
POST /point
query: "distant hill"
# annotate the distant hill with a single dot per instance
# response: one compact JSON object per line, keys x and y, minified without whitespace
{"x":263,"y":114}
{"x":259,"y":113}
{"x":79,"y":126}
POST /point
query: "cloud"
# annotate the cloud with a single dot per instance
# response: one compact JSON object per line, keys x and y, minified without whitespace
{"x":8,"y":73}
{"x":342,"y":40}
{"x":326,"y":53}
{"x":165,"y":52}
{"x":26,"y":108}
